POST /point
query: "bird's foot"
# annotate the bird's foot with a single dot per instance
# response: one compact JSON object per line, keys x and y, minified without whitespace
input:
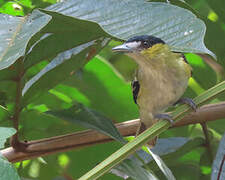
{"x":187,"y":101}
{"x":166,"y":117}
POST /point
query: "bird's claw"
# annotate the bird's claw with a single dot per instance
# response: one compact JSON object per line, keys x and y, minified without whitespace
{"x":187,"y":101}
{"x":166,"y":117}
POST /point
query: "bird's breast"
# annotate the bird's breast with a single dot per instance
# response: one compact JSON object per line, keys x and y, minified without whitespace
{"x":160,"y":87}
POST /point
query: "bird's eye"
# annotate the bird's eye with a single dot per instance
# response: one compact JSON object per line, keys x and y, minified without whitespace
{"x":145,"y":44}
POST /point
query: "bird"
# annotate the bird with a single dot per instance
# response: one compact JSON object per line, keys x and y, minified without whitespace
{"x":160,"y":80}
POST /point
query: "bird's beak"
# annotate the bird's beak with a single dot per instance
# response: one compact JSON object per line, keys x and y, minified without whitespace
{"x":122,"y":48}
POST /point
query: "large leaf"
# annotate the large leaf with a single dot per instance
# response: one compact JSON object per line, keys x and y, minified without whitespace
{"x":43,"y":125}
{"x":90,"y":119}
{"x":71,"y":41}
{"x":176,"y":148}
{"x":162,"y":166}
{"x":60,"y":68}
{"x":7,"y":170}
{"x":169,"y":150}
{"x":218,"y":171}
{"x":180,"y":28}
{"x":61,"y":34}
{"x":15,"y":32}
{"x":130,"y":168}
{"x":9,"y":89}
{"x":169,"y":145}
{"x":4,"y":134}
{"x":212,"y":12}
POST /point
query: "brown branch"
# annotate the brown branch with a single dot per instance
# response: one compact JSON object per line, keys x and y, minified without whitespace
{"x":207,"y":141}
{"x":221,"y":168}
{"x":86,"y":138}
{"x":15,"y":142}
{"x":214,"y":65}
{"x":67,"y":176}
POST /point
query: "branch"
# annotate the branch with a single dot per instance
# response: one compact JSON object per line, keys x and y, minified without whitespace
{"x":214,"y":65}
{"x":81,"y":139}
{"x":15,"y":142}
{"x":221,"y":168}
{"x":207,"y":141}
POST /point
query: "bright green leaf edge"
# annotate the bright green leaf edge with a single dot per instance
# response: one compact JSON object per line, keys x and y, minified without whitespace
{"x":5,"y":133}
{"x":150,"y":133}
{"x":4,"y":109}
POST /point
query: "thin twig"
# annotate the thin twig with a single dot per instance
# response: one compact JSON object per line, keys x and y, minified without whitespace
{"x":221,"y":168}
{"x":207,"y":141}
{"x":15,"y":139}
{"x":214,"y":65}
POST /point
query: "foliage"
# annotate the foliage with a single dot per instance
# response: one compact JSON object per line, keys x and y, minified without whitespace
{"x":58,"y":70}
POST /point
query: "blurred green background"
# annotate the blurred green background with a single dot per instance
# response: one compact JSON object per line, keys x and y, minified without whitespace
{"x":104,"y":85}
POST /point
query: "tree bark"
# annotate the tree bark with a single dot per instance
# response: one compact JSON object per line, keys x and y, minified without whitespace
{"x":81,"y":139}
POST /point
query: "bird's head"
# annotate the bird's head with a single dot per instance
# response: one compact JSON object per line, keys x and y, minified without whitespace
{"x":138,"y":44}
{"x":143,"y":49}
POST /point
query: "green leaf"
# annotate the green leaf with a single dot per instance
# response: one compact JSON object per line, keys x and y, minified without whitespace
{"x":70,"y":32}
{"x":9,"y":88}
{"x":172,"y":157}
{"x":215,"y":42}
{"x":202,"y":71}
{"x":4,"y":134}
{"x":3,"y":108}
{"x":15,"y":34}
{"x":34,"y":122}
{"x":217,"y":6}
{"x":177,"y":152}
{"x":215,"y":34}
{"x":9,"y":73}
{"x":130,"y":168}
{"x":26,"y":3}
{"x":7,"y":170}
{"x":178,"y":27}
{"x":3,"y":111}
{"x":12,"y":8}
{"x":169,"y":145}
{"x":162,"y":166}
{"x":60,"y":68}
{"x":50,"y":101}
{"x":4,"y":114}
{"x":99,"y":87}
{"x":89,"y":118}
{"x":185,"y":171}
{"x":163,"y":147}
